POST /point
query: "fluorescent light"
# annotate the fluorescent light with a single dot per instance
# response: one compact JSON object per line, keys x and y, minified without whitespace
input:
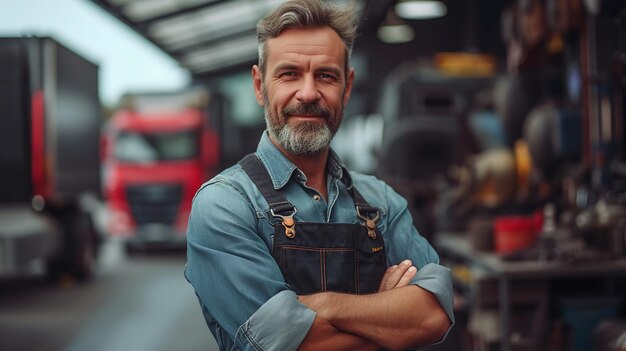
{"x":211,"y":23}
{"x":221,"y":55}
{"x":142,"y":10}
{"x":421,"y":9}
{"x":395,"y":34}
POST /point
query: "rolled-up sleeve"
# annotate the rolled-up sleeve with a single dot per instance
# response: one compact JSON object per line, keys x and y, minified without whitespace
{"x":237,"y":281}
{"x":277,"y":325}
{"x":404,"y":242}
{"x":438,"y":280}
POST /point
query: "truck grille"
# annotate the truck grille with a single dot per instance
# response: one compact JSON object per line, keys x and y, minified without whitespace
{"x":154,"y":204}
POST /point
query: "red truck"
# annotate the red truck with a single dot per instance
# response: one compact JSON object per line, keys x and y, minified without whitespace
{"x":157,"y":150}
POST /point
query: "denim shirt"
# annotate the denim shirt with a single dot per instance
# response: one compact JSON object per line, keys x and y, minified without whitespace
{"x":244,"y":298}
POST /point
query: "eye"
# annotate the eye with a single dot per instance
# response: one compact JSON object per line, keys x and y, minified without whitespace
{"x":289,"y":74}
{"x":327,"y":76}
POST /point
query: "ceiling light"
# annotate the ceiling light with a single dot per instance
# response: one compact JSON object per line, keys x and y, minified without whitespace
{"x":421,"y":9}
{"x":394,"y":30}
{"x":395,"y":33}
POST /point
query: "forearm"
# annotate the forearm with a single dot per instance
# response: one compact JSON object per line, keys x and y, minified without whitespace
{"x":324,"y":336}
{"x":395,"y":319}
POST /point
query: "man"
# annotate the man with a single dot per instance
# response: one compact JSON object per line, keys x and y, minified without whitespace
{"x":287,"y":250}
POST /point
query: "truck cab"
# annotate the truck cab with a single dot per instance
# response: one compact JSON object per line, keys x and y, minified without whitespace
{"x":156,"y":156}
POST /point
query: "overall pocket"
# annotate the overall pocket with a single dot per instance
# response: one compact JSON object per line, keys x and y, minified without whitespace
{"x":330,"y":257}
{"x":309,"y":270}
{"x":371,"y":265}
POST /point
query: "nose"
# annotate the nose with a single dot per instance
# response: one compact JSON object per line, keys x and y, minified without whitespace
{"x":308,"y":92}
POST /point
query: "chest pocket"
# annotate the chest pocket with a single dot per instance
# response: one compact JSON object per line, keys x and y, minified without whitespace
{"x":316,"y":257}
{"x":330,"y":257}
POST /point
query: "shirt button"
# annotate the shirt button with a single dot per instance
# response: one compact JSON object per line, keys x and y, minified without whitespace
{"x":316,"y":197}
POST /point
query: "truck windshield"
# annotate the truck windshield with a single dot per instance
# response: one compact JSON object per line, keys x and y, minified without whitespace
{"x":134,"y":147}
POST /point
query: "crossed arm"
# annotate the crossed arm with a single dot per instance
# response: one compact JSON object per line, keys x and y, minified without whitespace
{"x":398,"y":316}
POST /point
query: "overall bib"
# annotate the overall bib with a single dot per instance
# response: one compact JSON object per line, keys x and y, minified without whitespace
{"x":316,"y":257}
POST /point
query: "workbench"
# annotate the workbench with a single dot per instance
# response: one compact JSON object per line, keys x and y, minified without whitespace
{"x":458,"y":248}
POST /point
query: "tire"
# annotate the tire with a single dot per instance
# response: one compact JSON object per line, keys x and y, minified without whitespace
{"x":84,"y":255}
{"x":78,"y":258}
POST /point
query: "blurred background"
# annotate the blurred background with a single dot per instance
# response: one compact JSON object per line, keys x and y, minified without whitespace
{"x":500,"y":121}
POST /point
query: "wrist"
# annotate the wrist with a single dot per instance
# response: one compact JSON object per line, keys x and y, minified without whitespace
{"x":318,"y":302}
{"x":327,"y":305}
{"x":338,"y":308}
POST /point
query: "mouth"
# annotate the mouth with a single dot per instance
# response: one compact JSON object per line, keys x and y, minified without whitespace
{"x":311,"y":112}
{"x":307,"y":118}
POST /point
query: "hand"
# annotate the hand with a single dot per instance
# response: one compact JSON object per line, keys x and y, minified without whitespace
{"x":397,"y":276}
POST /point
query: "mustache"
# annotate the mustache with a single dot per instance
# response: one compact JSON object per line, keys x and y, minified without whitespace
{"x":313,"y":109}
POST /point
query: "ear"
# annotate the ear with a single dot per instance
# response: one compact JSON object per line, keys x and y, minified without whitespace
{"x":349,"y":81}
{"x":257,"y":79}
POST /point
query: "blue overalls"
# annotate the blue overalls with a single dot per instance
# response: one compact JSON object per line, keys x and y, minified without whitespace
{"x":317,"y":257}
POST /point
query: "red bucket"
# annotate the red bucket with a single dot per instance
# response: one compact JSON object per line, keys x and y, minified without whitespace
{"x":515,"y":232}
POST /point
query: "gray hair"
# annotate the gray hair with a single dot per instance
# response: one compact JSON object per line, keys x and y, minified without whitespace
{"x":306,"y":14}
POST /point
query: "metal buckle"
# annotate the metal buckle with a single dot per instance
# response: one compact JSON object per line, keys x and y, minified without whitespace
{"x":295,"y":210}
{"x":365,"y":218}
{"x":370,"y":223}
{"x":288,"y":222}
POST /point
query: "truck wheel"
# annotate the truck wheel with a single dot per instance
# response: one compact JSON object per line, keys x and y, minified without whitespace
{"x":78,"y":257}
{"x":131,"y":249}
{"x":84,"y":253}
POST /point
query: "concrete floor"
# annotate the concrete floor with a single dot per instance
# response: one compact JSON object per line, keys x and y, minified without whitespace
{"x":136,"y":303}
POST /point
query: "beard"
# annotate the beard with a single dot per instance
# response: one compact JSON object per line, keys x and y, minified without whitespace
{"x":303,"y":138}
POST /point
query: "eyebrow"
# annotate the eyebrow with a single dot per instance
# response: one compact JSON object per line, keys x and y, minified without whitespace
{"x":285,"y":66}
{"x":289,"y":66}
{"x":329,"y":69}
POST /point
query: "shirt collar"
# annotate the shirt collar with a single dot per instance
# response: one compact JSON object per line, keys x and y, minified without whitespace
{"x":338,"y":169}
{"x":281,"y":169}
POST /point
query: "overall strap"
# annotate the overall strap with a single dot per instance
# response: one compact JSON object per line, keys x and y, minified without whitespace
{"x":279,"y":205}
{"x":363,"y":209}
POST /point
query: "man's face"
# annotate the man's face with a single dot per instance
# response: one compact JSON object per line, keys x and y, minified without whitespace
{"x":304,"y":88}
